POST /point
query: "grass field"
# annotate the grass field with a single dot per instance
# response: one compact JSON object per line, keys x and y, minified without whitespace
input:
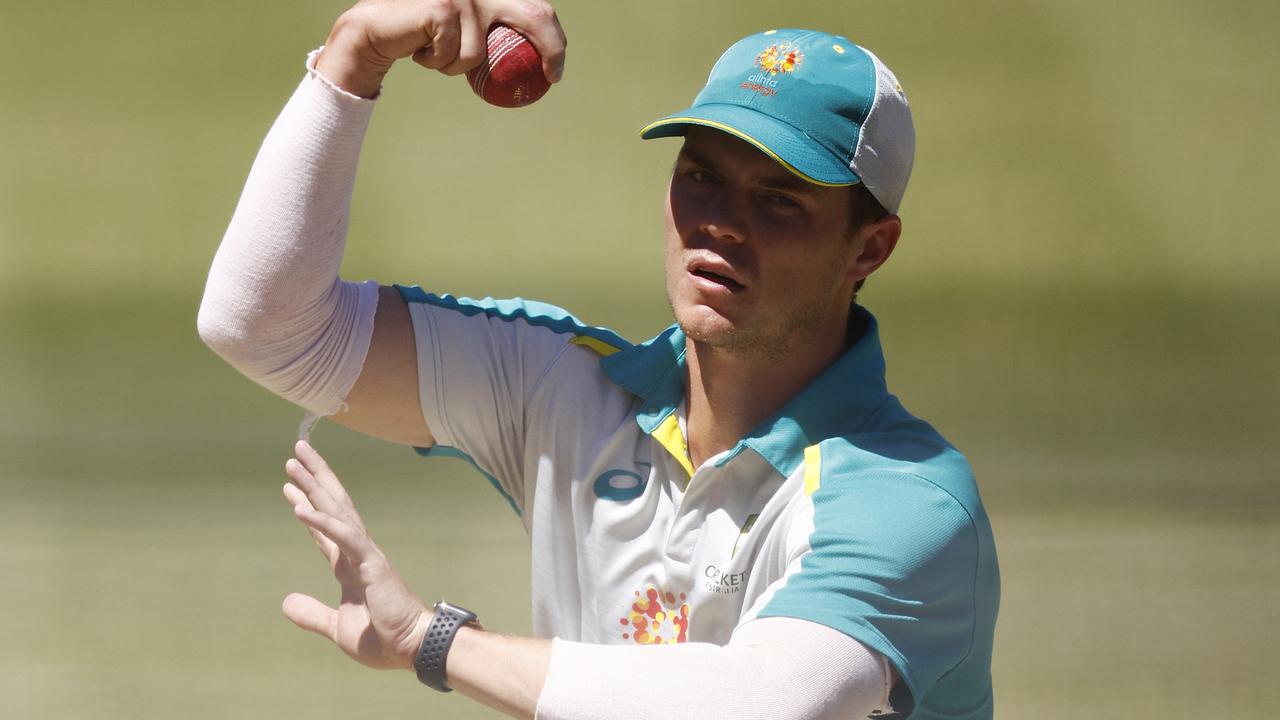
{"x":1084,"y":302}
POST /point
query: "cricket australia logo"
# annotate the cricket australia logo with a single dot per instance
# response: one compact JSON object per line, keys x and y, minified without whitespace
{"x":723,"y":583}
{"x":772,"y":62}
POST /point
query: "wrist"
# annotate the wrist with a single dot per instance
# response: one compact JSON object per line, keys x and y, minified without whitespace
{"x":414,"y":641}
{"x":432,"y":660}
{"x":347,"y":62}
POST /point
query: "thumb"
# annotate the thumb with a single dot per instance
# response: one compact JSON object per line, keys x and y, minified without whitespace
{"x":309,"y":613}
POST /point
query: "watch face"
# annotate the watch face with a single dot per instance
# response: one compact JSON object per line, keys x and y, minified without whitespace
{"x":460,"y":612}
{"x":464,"y":615}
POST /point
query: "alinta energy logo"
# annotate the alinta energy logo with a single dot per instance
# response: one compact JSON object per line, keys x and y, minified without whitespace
{"x":656,"y":618}
{"x":773,"y":61}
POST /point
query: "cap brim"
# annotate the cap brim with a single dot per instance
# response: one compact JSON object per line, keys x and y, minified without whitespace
{"x":784,"y":143}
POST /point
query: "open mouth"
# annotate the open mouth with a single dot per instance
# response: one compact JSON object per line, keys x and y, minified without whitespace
{"x":717,"y":278}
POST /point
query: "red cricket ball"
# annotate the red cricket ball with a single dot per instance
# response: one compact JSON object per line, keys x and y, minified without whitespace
{"x":511,"y":76}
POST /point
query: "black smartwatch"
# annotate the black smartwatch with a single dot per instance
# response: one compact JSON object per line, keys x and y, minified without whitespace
{"x":435,"y":644}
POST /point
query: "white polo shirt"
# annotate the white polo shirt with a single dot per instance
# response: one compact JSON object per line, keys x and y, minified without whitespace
{"x":842,"y":510}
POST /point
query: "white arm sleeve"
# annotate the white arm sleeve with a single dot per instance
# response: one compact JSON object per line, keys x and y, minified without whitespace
{"x":774,"y":668}
{"x":274,"y":306}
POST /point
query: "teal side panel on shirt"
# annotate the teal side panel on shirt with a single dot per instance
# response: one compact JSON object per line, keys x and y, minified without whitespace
{"x":445,"y":451}
{"x":902,"y":559}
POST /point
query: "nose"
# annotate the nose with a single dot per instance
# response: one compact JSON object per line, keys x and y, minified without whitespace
{"x":723,"y":218}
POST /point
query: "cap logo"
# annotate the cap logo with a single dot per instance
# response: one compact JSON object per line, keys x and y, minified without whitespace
{"x":777,"y":59}
{"x":773,"y":61}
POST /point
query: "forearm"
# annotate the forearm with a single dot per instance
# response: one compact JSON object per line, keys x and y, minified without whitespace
{"x":274,"y":306}
{"x":777,"y":669}
{"x":504,"y":672}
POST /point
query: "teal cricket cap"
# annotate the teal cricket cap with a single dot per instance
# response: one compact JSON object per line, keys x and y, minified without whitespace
{"x":826,"y":108}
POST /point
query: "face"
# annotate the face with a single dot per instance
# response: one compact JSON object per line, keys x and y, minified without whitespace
{"x":757,"y":259}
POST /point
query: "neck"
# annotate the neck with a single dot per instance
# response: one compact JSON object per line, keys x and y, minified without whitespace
{"x":730,"y":393}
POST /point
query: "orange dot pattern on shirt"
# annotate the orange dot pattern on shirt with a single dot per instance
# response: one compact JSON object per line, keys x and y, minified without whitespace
{"x":656,"y":618}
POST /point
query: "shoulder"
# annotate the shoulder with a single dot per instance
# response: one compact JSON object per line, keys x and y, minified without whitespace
{"x":917,"y":510}
{"x":520,"y":313}
{"x":899,"y":456}
{"x":900,"y":553}
{"x":484,"y":365}
{"x":899,"y":482}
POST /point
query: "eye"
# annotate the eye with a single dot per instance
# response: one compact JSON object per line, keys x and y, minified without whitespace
{"x":701,"y":177}
{"x":781,"y":202}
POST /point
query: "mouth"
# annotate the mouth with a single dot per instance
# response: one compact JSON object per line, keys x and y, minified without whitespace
{"x":718,"y":279}
{"x":714,"y":276}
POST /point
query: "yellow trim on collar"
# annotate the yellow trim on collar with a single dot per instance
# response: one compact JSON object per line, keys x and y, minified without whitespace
{"x":739,"y":134}
{"x":599,"y":347}
{"x":812,"y":469}
{"x":669,"y":436}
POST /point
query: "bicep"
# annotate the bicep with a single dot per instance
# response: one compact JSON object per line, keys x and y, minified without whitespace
{"x":384,"y":401}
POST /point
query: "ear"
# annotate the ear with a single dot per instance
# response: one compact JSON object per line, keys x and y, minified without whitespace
{"x":873,"y":244}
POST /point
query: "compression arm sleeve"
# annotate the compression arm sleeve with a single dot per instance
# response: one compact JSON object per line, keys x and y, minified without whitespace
{"x":274,"y":306}
{"x":775,"y":668}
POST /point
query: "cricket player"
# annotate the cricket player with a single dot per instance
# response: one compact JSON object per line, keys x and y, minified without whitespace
{"x":734,"y":519}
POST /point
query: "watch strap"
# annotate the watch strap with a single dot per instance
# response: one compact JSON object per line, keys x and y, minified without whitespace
{"x":434,"y":651}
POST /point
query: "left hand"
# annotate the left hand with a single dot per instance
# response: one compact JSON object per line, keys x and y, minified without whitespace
{"x":378,"y":622}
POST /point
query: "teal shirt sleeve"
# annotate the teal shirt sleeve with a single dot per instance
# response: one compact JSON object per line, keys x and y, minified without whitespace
{"x":896,"y":561}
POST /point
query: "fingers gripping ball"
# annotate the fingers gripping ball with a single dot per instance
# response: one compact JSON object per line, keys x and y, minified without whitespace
{"x":511,"y":76}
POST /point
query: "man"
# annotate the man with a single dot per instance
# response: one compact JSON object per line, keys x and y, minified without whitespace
{"x":735,"y":519}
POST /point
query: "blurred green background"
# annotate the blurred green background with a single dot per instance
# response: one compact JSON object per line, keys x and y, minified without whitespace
{"x":1084,"y":302}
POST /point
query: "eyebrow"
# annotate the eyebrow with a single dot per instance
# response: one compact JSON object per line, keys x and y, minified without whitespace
{"x":783,"y":180}
{"x":694,"y":156}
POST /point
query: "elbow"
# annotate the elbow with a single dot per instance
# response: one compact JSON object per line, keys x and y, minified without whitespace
{"x":222,"y":329}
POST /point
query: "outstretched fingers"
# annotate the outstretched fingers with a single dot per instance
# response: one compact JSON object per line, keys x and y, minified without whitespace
{"x":350,"y":539}
{"x":318,"y":498}
{"x":309,"y":471}
{"x":297,"y":499}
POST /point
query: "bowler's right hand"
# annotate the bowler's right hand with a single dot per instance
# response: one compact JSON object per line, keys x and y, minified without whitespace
{"x":445,"y":35}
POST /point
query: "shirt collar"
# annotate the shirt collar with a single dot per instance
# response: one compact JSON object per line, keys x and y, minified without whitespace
{"x":838,"y":401}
